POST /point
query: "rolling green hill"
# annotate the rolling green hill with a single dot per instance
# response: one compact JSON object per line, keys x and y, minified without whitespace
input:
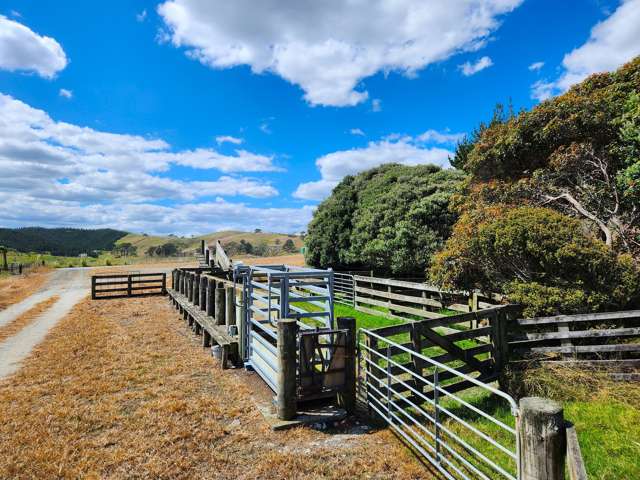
{"x":59,"y":241}
{"x":188,"y":244}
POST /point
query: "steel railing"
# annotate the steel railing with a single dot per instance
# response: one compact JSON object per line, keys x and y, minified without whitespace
{"x":344,"y":288}
{"x":428,"y":418}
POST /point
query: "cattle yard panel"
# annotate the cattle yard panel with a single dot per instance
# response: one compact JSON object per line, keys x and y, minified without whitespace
{"x":128,"y":285}
{"x":436,"y":422}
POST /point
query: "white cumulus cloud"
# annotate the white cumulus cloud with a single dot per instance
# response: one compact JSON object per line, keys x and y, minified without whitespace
{"x":612,"y":42}
{"x":47,"y":160}
{"x":328,"y":47}
{"x":21,"y":49}
{"x":469,"y":68}
{"x":335,"y":166}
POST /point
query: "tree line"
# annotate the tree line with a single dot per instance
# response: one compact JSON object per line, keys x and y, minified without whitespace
{"x":69,"y":242}
{"x":541,"y":205}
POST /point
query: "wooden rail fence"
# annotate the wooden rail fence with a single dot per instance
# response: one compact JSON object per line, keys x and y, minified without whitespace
{"x":128,"y":285}
{"x":414,"y":301}
{"x":597,"y":340}
{"x":479,"y":352}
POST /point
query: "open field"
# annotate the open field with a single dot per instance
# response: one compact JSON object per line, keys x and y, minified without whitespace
{"x":120,"y":389}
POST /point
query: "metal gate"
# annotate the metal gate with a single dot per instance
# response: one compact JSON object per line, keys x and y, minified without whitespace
{"x":462,"y":438}
{"x":274,"y":292}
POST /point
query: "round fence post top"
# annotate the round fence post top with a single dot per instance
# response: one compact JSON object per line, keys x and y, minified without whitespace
{"x":287,"y":321}
{"x":540,"y":404}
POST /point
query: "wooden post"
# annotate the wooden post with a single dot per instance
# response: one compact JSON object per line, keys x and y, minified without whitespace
{"x":203,"y":293}
{"x":347,"y":398}
{"x":220,"y":306}
{"x":499,"y":339}
{"x":207,"y":256}
{"x":202,"y":247}
{"x":164,"y":284}
{"x":129,"y":285}
{"x":211,"y":288}
{"x":196,"y":290}
{"x":230,"y":306}
{"x":93,"y":288}
{"x":542,"y":438}
{"x":287,"y":336}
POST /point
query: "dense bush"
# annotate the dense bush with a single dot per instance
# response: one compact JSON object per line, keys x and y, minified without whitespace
{"x":550,"y":212}
{"x":390,"y":219}
{"x":578,"y":153}
{"x":539,"y":258}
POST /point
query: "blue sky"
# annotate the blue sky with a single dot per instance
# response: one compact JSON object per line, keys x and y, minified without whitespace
{"x":189,"y":116}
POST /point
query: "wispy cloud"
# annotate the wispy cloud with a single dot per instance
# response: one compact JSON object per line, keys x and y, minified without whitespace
{"x":535,"y":66}
{"x":469,"y":68}
{"x":357,"y":131}
{"x":376,"y":105}
{"x":142,"y":16}
{"x":220,"y":139}
{"x":65,"y":93}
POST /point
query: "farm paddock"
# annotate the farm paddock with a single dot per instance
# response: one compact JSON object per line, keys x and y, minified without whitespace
{"x":120,"y":389}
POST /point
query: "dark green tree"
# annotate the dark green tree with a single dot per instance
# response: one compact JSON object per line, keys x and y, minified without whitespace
{"x":391,"y":219}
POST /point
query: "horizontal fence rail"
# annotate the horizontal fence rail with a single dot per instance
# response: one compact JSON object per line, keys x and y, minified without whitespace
{"x":598,"y":340}
{"x":414,"y":301}
{"x":128,"y":285}
{"x":417,"y":403}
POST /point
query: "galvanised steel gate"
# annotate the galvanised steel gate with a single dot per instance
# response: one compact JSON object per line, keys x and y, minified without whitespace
{"x":462,"y":440}
{"x":274,"y":292}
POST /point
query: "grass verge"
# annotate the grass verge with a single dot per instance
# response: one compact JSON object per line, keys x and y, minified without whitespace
{"x":26,"y":318}
{"x":15,"y":288}
{"x":121,"y":389}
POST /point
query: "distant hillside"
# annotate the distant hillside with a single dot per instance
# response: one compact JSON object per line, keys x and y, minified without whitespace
{"x":59,"y":241}
{"x":229,"y":238}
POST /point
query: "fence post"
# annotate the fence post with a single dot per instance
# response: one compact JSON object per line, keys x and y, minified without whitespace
{"x":202,"y":247}
{"x":203,"y":293}
{"x":164,"y":284}
{"x":230,"y":306}
{"x":93,"y":288}
{"x":347,"y":398}
{"x":129,"y":285}
{"x":211,"y":288}
{"x":196,"y":291}
{"x":287,"y":336}
{"x":207,"y":256}
{"x":542,"y":439}
{"x":499,"y":339}
{"x":220,"y":306}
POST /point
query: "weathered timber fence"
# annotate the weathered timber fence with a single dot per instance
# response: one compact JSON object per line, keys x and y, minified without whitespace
{"x":608,"y":341}
{"x":128,"y":285}
{"x":413,"y":301}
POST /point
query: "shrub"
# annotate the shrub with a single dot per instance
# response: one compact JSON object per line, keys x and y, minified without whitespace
{"x":538,"y":257}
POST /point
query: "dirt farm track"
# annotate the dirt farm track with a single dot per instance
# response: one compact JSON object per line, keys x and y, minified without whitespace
{"x":122,"y":389}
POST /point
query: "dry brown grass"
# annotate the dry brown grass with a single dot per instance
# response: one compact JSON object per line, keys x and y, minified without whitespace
{"x":121,"y":389}
{"x":15,"y":288}
{"x":26,"y":318}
